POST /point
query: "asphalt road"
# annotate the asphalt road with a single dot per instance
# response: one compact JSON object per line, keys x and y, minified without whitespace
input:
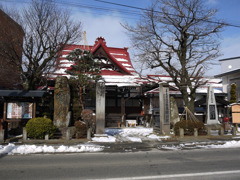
{"x":156,"y":164}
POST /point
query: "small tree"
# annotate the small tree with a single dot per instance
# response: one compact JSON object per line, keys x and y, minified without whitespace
{"x":233,"y":98}
{"x":85,"y":71}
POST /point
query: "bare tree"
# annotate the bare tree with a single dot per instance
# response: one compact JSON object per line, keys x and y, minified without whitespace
{"x":48,"y":29}
{"x":181,"y":37}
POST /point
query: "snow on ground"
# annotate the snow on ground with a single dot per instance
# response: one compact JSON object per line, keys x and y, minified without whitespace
{"x":229,"y":144}
{"x":137,"y":134}
{"x":33,"y":149}
{"x":104,"y":139}
{"x":202,"y":145}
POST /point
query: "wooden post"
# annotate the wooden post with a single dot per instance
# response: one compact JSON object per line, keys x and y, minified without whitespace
{"x":34,"y":110}
{"x":123,"y":112}
{"x":5,"y":111}
{"x":2,"y":136}
{"x":4,"y":131}
{"x":100,"y":107}
{"x":236,"y":126}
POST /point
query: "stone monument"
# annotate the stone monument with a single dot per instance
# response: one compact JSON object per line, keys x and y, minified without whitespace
{"x":100,"y":107}
{"x":212,"y":115}
{"x":164,"y":105}
{"x":61,"y":102}
{"x":174,"y":114}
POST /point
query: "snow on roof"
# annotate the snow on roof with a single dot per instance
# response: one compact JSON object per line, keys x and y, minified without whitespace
{"x":119,"y":56}
{"x":214,"y":82}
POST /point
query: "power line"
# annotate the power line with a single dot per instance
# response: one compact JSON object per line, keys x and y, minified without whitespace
{"x":123,"y":11}
{"x":99,"y":9}
{"x":134,"y":7}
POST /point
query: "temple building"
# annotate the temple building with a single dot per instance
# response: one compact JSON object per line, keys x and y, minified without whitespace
{"x":129,"y":95}
{"x":124,"y":86}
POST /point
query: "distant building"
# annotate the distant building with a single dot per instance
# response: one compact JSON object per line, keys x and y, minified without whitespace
{"x":11,"y":40}
{"x":230,"y":74}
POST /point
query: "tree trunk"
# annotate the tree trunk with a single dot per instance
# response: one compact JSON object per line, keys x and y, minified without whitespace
{"x":80,"y":97}
{"x":187,"y":102}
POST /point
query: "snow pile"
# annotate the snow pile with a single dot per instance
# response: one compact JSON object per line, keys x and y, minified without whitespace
{"x":33,"y":149}
{"x":202,"y":145}
{"x":104,"y":139}
{"x":137,"y":134}
{"x":229,"y":144}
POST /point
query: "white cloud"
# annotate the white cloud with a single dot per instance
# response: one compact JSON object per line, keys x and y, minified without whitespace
{"x":106,"y":26}
{"x":212,"y":2}
{"x":231,"y":47}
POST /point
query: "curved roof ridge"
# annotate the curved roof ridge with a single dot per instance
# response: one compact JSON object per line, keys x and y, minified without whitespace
{"x":100,"y":41}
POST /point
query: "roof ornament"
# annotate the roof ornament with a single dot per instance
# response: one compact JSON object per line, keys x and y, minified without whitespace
{"x":85,"y":42}
{"x":100,"y":40}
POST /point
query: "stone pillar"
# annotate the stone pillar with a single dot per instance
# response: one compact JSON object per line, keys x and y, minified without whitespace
{"x":195,"y":132}
{"x":212,"y":115}
{"x":61,"y":102}
{"x":89,"y":133}
{"x":24,"y":134}
{"x":221,"y":131}
{"x":68,"y":134}
{"x":46,"y":137}
{"x":174,"y":114}
{"x":100,"y":107}
{"x":209,"y":131}
{"x":164,"y":105}
{"x":181,"y":132}
{"x":234,"y":131}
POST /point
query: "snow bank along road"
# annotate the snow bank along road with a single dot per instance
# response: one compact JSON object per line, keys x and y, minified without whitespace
{"x":136,"y":135}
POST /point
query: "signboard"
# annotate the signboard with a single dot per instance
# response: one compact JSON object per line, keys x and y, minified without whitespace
{"x":19,"y":110}
{"x":236,"y":117}
{"x":212,"y":112}
{"x":236,"y":108}
{"x":236,"y":113}
{"x":166,"y":107}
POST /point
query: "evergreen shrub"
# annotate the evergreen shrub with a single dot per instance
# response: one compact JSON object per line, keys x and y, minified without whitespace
{"x":189,"y":126}
{"x":38,"y":127}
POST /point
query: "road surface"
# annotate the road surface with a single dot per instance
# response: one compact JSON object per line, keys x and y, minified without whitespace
{"x":155,"y":164}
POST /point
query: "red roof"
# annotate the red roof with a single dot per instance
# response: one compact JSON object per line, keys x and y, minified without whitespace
{"x":118,"y":56}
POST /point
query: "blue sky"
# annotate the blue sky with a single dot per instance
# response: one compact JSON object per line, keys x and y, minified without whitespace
{"x":100,"y":19}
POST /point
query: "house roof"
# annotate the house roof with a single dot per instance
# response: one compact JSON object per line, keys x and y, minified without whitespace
{"x":228,"y":73}
{"x":226,"y":59}
{"x":21,"y":93}
{"x":215,"y":83}
{"x":119,"y":56}
{"x":123,"y":75}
